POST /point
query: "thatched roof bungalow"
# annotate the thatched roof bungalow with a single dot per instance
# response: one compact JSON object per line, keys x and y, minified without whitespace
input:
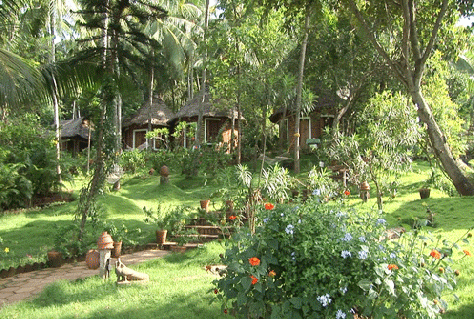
{"x":74,"y":135}
{"x":217,"y":124}
{"x":135,"y":128}
{"x":311,"y":124}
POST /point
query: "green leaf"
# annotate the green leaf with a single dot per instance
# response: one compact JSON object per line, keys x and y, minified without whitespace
{"x":246,"y":283}
{"x":364,"y":284}
{"x":259,"y":287}
{"x":297,"y":302}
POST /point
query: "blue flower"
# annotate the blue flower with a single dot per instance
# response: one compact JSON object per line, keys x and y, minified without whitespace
{"x":381,"y":247}
{"x":393,"y":255}
{"x":345,"y":254}
{"x":293,"y":256}
{"x":362,"y":239}
{"x":282,"y":215}
{"x":324,"y":300}
{"x":317,"y":192}
{"x":347,"y":237}
{"x":299,"y":221}
{"x":380,"y":221}
{"x":363,"y":254}
{"x":340,"y":314}
{"x":265,"y":220}
{"x":289,"y":229}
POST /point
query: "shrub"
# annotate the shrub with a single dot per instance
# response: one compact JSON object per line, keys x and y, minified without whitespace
{"x":132,"y":160}
{"x":320,"y":261}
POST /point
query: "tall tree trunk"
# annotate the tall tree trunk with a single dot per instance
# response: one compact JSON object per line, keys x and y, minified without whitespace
{"x":441,"y":148}
{"x":299,"y":90}
{"x":410,"y":73}
{"x":52,"y":23}
{"x":150,"y":98}
{"x":239,"y":119}
{"x":203,"y":84}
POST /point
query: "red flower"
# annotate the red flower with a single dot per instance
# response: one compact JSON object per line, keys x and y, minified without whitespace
{"x":216,"y":291}
{"x":225,"y":311}
{"x":392,"y":266}
{"x":466,"y":252}
{"x":254,"y":261}
{"x":232,"y":217}
{"x":435,"y":254}
{"x":269,"y":206}
{"x":347,"y":192}
{"x":272,"y":273}
{"x":254,"y":280}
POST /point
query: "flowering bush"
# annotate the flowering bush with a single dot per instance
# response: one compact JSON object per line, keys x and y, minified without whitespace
{"x":320,"y":261}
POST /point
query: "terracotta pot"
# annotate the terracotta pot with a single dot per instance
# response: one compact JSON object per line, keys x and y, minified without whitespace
{"x":205,"y":204}
{"x":55,"y":258}
{"x":117,"y":251}
{"x":93,"y":259}
{"x":425,"y":193}
{"x":161,"y":236}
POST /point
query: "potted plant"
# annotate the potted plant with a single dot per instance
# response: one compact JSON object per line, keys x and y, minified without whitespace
{"x":424,"y":192}
{"x":183,"y":237}
{"x":118,"y":234}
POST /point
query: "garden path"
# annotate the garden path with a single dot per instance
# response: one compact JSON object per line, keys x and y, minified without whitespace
{"x":27,"y":285}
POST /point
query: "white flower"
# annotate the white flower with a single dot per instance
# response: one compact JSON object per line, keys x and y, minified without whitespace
{"x":316,"y":192}
{"x":363,"y":254}
{"x":324,"y":300}
{"x":345,"y":254}
{"x":340,"y":314}
{"x":347,"y":237}
{"x":289,"y":229}
{"x":343,"y":290}
{"x":362,"y":239}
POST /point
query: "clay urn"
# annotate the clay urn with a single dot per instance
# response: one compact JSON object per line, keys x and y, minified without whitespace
{"x":93,"y":259}
{"x":164,"y":171}
{"x":364,"y":186}
{"x":105,"y":241}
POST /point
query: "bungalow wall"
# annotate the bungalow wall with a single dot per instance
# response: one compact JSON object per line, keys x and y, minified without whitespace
{"x":311,"y":127}
{"x":210,"y":129}
{"x":134,"y":135}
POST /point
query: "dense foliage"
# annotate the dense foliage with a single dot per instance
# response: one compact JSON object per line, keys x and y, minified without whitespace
{"x":323,"y":261}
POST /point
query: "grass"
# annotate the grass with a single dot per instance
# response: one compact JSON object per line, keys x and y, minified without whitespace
{"x":179,"y":286}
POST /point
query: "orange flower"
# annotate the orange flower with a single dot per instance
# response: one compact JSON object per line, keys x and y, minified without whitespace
{"x":254,"y":261}
{"x":457,"y":272}
{"x":441,"y":269}
{"x":216,"y":291}
{"x":392,"y":266}
{"x":225,"y":311}
{"x":272,"y":273}
{"x":347,"y":192}
{"x":269,"y":206}
{"x":254,"y":280}
{"x":435,"y":254}
{"x":232,"y":217}
{"x":466,"y":252}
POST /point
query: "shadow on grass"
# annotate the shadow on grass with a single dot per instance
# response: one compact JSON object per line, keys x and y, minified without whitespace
{"x":463,"y":312}
{"x":450,"y":213}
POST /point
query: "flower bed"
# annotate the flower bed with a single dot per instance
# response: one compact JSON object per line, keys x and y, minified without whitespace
{"x":321,"y":261}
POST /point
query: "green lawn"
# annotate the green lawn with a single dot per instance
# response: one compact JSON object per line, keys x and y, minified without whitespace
{"x":179,"y":285}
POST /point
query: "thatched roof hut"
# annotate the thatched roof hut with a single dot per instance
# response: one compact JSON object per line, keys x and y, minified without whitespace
{"x":210,"y":108}
{"x":78,"y":127}
{"x":74,"y":134}
{"x":160,"y":114}
{"x":219,"y":120}
{"x":136,"y":127}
